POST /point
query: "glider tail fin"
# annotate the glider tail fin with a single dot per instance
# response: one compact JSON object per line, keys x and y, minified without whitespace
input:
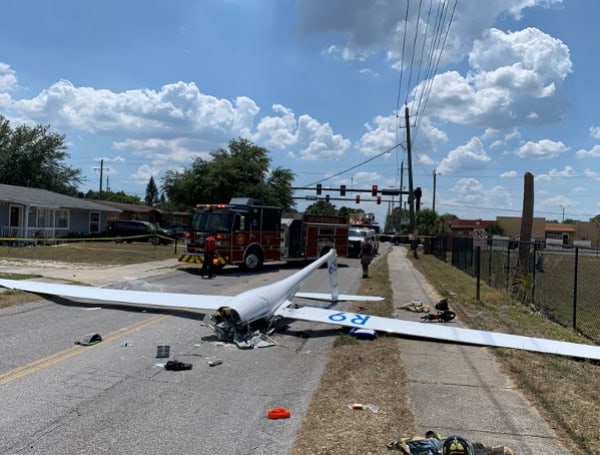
{"x":333,"y":281}
{"x":334,"y":296}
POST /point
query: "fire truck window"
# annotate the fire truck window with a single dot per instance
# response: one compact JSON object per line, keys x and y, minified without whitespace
{"x":219,"y":222}
{"x":271,"y":219}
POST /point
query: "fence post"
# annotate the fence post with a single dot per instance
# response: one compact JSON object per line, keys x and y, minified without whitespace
{"x":534,"y":270}
{"x":575,"y":289}
{"x":508,"y":267}
{"x":491,"y":252}
{"x":478,"y":270}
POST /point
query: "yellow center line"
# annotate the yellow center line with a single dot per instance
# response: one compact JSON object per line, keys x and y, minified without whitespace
{"x":40,"y":364}
{"x":45,"y":362}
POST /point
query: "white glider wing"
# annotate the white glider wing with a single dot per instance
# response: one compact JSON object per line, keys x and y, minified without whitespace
{"x":441,"y":332}
{"x":159,"y":299}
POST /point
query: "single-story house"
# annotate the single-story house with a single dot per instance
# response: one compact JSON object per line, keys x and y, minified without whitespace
{"x":147,"y":213}
{"x":35,"y":213}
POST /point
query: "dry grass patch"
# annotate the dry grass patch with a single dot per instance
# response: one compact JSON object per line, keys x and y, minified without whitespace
{"x":92,"y":253}
{"x":367,"y":372}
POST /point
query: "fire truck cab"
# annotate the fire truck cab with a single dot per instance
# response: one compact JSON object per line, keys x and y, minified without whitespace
{"x":249,"y":234}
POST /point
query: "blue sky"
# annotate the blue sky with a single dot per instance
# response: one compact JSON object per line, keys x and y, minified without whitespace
{"x":149,"y":85}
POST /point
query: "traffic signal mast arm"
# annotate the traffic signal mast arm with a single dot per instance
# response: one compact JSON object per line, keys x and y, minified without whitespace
{"x":384,"y":192}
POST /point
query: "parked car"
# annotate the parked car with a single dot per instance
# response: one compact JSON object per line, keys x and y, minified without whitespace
{"x":137,"y":231}
{"x":177,"y":230}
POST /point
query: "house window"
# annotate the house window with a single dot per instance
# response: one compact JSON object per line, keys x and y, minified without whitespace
{"x":32,"y":217}
{"x":44,"y":218}
{"x":62,"y":218}
{"x":94,"y":222}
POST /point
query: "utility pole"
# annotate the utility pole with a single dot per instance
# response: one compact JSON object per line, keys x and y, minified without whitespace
{"x":101,"y":172}
{"x":101,"y":169}
{"x":401,"y":187}
{"x":434,"y":175}
{"x":411,"y":198}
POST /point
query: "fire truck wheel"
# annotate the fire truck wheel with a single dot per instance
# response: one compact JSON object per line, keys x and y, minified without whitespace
{"x":253,"y":259}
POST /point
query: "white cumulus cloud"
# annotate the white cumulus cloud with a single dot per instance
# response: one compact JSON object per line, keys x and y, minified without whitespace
{"x":176,"y":109}
{"x":544,"y":149}
{"x":469,"y":156}
{"x":594,"y":152}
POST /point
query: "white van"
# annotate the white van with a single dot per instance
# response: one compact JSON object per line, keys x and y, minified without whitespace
{"x":356,"y":238}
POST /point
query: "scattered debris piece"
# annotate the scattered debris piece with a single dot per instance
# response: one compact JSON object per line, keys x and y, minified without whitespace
{"x":416,"y":306}
{"x":176,"y":365}
{"x":162,"y":351}
{"x":363,"y":334}
{"x":440,"y":316}
{"x":89,"y":340}
{"x":360,"y":406}
{"x":442,"y":305}
{"x":126,"y":344}
{"x":214,"y":363}
{"x":278,"y":413}
{"x":252,"y":340}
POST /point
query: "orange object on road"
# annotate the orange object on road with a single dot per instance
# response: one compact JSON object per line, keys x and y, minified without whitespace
{"x":278,"y":413}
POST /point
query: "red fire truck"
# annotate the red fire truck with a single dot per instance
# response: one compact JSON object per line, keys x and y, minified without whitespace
{"x":249,"y":234}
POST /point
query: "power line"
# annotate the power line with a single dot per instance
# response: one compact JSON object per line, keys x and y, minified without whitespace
{"x":355,"y":166}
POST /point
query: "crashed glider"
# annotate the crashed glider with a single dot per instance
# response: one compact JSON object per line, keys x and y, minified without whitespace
{"x":234,"y":314}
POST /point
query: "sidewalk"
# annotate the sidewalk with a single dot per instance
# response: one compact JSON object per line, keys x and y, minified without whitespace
{"x":460,"y":390}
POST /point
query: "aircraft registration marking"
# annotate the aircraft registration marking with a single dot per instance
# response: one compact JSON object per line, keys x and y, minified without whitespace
{"x":353,"y":318}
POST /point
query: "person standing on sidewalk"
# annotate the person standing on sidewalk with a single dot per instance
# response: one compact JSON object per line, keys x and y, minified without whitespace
{"x":210,"y":249}
{"x":366,"y":256}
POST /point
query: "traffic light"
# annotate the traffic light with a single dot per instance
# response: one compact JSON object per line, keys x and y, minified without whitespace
{"x":374,"y":190}
{"x":378,"y":200}
{"x":342,"y":190}
{"x":327,"y":198}
{"x":319,"y":188}
{"x":357,"y":198}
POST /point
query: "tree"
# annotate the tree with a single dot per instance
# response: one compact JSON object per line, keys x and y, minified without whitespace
{"x":119,"y":196}
{"x":349,"y":212}
{"x":595,"y":219}
{"x":33,"y":157}
{"x":321,"y":207}
{"x":151,"y":198}
{"x":427,"y":222}
{"x":494,"y":229}
{"x":243,"y":170}
{"x":448,"y":216}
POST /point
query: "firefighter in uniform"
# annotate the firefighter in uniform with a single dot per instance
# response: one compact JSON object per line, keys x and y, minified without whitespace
{"x":366,"y":256}
{"x":210,"y":249}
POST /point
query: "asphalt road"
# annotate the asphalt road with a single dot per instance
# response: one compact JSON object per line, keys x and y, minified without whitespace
{"x":61,"y":398}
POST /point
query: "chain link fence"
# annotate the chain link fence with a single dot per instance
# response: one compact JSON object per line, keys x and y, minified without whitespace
{"x":561,"y":282}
